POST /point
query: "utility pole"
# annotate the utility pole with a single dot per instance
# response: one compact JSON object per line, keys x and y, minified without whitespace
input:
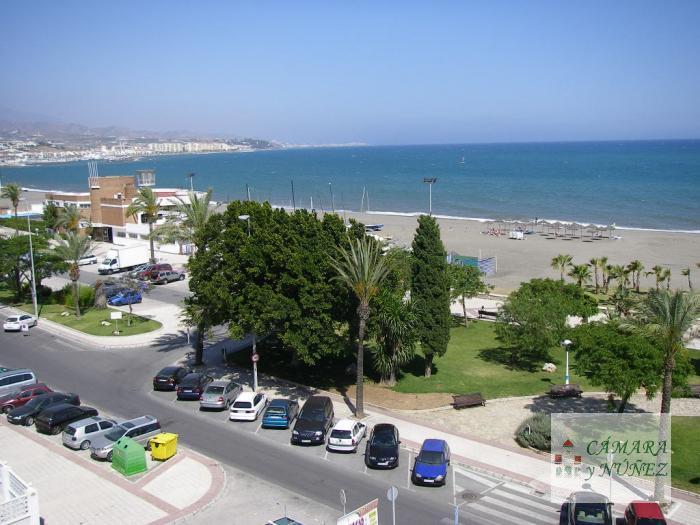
{"x":191,"y":176}
{"x":294,"y":202}
{"x":247,"y":190}
{"x":31,"y":255}
{"x":430,"y":181}
{"x":330,"y":187}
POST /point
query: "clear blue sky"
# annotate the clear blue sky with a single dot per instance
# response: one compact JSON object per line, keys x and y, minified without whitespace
{"x":378,"y":72}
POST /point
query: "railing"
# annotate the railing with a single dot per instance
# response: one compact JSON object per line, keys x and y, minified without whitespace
{"x":19,"y":502}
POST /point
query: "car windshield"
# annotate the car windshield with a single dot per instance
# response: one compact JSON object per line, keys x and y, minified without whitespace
{"x":115,"y":433}
{"x":277,"y":411}
{"x":107,"y":261}
{"x":242,"y":404}
{"x":36,"y":402}
{"x":312,"y":415}
{"x":70,"y":431}
{"x":430,"y":457}
{"x":590,"y":513}
{"x":12,"y":319}
{"x":215,"y":390}
{"x":341,"y":434}
{"x":383,"y":439}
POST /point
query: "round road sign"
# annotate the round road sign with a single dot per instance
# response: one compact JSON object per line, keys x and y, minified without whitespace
{"x":255,"y":358}
{"x":392,"y":493}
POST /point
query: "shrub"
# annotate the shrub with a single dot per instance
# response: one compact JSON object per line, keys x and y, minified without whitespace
{"x":535,"y":432}
{"x":86,"y":296}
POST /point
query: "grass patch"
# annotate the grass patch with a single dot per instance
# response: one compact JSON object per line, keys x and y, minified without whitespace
{"x":476,"y":362}
{"x":685,"y":464}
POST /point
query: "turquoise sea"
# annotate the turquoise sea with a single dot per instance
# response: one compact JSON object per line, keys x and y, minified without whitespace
{"x":649,"y":185}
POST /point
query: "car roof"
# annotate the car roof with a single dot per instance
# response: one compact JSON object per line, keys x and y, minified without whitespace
{"x":585,"y":496}
{"x":647,"y":509}
{"x":384,"y":427}
{"x":137,"y":421}
{"x":169,"y":369}
{"x":316,"y":400}
{"x":14,"y":371}
{"x":246,"y":396}
{"x":87,"y":421}
{"x":434,"y":445}
{"x":220,"y":382}
{"x":279,"y":402}
{"x":344,"y":424}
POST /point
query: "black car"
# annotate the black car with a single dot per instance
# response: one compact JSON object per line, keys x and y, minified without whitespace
{"x":314,"y":421}
{"x":169,"y":377}
{"x":192,"y":386}
{"x":26,"y":414}
{"x":53,"y":419}
{"x":382,"y":448}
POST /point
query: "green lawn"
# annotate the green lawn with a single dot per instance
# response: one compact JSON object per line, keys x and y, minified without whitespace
{"x":685,"y":462}
{"x":474,"y":362}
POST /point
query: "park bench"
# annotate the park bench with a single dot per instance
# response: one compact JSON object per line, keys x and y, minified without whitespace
{"x":565,"y":391}
{"x":487,"y":313}
{"x":468,"y":400}
{"x":694,"y":390}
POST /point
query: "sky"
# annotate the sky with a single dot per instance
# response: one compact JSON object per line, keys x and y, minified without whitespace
{"x":376,"y":72}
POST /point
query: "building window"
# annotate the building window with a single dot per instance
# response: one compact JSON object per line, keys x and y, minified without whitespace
{"x":133,"y":236}
{"x":144,"y":237}
{"x":84,"y":205}
{"x":121,"y":234}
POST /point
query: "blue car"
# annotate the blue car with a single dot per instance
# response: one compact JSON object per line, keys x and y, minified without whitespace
{"x":431,"y":464}
{"x":280,"y":413}
{"x":125,"y":298}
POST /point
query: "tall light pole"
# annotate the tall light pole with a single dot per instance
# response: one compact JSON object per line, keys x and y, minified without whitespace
{"x":566,"y":344}
{"x":31,"y":256}
{"x":430,"y":181}
{"x":246,"y":218}
{"x":330,"y":187}
{"x":191,"y":176}
{"x":254,"y":357}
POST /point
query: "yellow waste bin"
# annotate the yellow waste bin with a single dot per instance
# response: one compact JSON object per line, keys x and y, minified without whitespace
{"x":163,"y":446}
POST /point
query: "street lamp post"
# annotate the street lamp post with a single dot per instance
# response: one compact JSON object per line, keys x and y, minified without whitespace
{"x":31,"y":256}
{"x":566,"y":343}
{"x":430,"y":181}
{"x":191,"y":176}
{"x":254,"y":357}
{"x":246,"y":218}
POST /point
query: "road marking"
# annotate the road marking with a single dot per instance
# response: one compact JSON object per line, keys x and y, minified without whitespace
{"x":408,"y":473}
{"x":258,"y":429}
{"x":325,"y":456}
{"x":367,"y":473}
{"x":454,"y":487}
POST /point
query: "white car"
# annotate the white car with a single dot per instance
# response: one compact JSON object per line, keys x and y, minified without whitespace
{"x":346,"y":435}
{"x":88,"y":259}
{"x":247,"y":406}
{"x":14,"y":323}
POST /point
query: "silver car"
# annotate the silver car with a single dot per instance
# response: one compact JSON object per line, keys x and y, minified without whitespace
{"x":79,"y":435}
{"x":140,"y":429}
{"x":220,"y":394}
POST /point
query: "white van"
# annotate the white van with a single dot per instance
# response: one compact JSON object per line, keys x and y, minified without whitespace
{"x":17,"y":379}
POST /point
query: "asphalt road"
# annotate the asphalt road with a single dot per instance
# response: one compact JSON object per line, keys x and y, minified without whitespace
{"x":119,"y":382}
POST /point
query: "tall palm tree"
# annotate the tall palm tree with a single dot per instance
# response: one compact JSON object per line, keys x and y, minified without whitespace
{"x":636,"y":268}
{"x":686,"y":272}
{"x":396,"y":333}
{"x":72,"y":249}
{"x":146,"y":203}
{"x":667,"y":277}
{"x":362,"y":269}
{"x":595,"y":264}
{"x":664,"y":317}
{"x":581,"y":273}
{"x":620,"y":274}
{"x":561,"y":262}
{"x":190,"y":219}
{"x":603,"y":261}
{"x":69,"y":218}
{"x":658,"y":273}
{"x":12,"y":192}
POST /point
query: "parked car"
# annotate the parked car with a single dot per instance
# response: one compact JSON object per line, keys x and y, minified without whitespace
{"x":20,"y":397}
{"x":382,"y":449}
{"x":346,"y":435}
{"x":112,"y":288}
{"x":53,"y":419}
{"x":14,"y":323}
{"x":167,"y":276}
{"x":88,"y":259}
{"x":430,"y":466}
{"x":26,"y":414}
{"x":141,"y":271}
{"x":157,"y":268}
{"x":16,"y":379}
{"x":140,"y":429}
{"x":280,"y":413}
{"x":79,"y":435}
{"x":169,"y":377}
{"x":314,"y":421}
{"x":589,"y":507}
{"x":125,"y":297}
{"x":192,"y":386}
{"x":220,"y":394}
{"x":644,"y":513}
{"x":247,"y":406}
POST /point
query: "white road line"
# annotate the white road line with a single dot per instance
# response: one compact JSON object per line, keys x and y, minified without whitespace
{"x":454,"y":487}
{"x":408,"y":472}
{"x":258,"y":429}
{"x":325,"y":456}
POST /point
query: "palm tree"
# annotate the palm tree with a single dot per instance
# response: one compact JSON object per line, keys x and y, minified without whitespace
{"x":636,"y":268}
{"x":686,"y":273}
{"x":620,"y":274}
{"x":146,"y":203}
{"x":581,"y":273}
{"x":561,"y":262}
{"x":71,"y":250}
{"x":69,"y":218}
{"x":12,"y":192}
{"x":664,"y":317}
{"x":667,"y":277}
{"x":190,"y":219}
{"x":396,"y":334}
{"x":603,"y":261}
{"x":362,"y":269}
{"x":658,"y":273}
{"x":595,"y":264}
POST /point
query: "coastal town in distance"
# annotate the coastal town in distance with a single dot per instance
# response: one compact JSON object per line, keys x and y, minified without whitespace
{"x":350,"y":264}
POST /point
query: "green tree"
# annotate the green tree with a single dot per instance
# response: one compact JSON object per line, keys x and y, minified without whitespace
{"x":196,"y":315}
{"x":147,"y":204}
{"x":603,"y":261}
{"x":69,"y":218}
{"x":620,"y":362}
{"x":398,"y":262}
{"x":658,"y":273}
{"x":561,"y":262}
{"x":187,"y":222}
{"x":50,"y":215}
{"x":466,"y":282}
{"x":71,"y":249}
{"x":581,"y":273}
{"x":595,"y":264}
{"x":620,"y":274}
{"x":430,"y":290}
{"x":395,"y":328}
{"x":667,"y":277}
{"x":362,"y":269}
{"x":636,"y":268}
{"x":532,"y":320}
{"x":686,"y":273}
{"x":15,"y":263}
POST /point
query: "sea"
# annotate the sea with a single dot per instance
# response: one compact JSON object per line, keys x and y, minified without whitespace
{"x":649,"y":185}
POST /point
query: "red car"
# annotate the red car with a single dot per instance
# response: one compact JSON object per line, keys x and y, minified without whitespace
{"x":644,"y":513}
{"x":19,"y":398}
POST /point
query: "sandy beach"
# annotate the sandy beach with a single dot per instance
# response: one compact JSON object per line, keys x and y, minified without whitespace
{"x":523,"y":260}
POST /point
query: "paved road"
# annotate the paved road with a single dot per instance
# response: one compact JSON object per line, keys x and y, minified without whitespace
{"x":119,"y":381}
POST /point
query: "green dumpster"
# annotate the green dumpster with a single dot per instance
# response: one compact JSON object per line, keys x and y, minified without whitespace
{"x":163,"y":446}
{"x":128,"y":457}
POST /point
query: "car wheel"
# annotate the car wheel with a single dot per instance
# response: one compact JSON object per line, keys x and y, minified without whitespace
{"x":182,"y":277}
{"x":109,"y":456}
{"x":164,"y":281}
{"x":55,"y":430}
{"x":85,"y":445}
{"x":7,"y":409}
{"x":29,"y":421}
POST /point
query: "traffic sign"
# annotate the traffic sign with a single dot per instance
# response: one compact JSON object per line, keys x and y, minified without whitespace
{"x":255,"y":358}
{"x":392,"y":493}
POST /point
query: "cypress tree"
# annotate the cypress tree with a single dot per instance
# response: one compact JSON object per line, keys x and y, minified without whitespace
{"x":430,"y":290}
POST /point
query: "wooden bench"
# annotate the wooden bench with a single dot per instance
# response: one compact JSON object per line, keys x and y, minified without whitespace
{"x":487,"y":313}
{"x":565,"y":391}
{"x":468,"y":400}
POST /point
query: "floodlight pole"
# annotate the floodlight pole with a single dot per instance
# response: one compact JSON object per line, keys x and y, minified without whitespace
{"x":430,"y":181}
{"x":191,"y":176}
{"x":566,"y":344}
{"x":31,"y":256}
